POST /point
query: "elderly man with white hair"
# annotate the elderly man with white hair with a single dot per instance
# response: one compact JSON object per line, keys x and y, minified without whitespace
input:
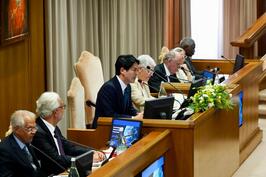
{"x":166,"y":71}
{"x":140,"y":91}
{"x":48,"y":138}
{"x":17,"y":157}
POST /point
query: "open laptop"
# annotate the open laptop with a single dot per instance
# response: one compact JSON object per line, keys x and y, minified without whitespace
{"x":127,"y":130}
{"x":84,"y":163}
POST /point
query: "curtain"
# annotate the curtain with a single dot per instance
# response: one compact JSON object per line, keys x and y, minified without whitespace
{"x":106,"y":28}
{"x":238,"y":16}
{"x":185,"y":18}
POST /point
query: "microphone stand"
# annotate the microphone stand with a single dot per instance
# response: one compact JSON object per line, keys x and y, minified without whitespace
{"x":50,"y":158}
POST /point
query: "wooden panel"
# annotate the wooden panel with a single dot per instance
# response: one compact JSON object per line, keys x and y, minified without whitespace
{"x":140,"y":155}
{"x":22,"y":69}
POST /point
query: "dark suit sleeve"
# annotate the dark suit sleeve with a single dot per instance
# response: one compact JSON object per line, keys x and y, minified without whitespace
{"x":6,"y":167}
{"x":42,"y":141}
{"x":155,"y":80}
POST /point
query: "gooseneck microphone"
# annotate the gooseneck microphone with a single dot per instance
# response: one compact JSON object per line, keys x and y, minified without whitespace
{"x":156,"y":89}
{"x":227,"y":59}
{"x":165,"y":80}
{"x":50,"y":158}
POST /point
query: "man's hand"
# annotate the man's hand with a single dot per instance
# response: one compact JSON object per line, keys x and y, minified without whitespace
{"x":98,"y":156}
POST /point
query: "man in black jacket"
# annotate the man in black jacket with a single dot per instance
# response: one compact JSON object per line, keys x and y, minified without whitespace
{"x":48,"y":138}
{"x":17,"y":158}
{"x":188,"y":44}
{"x":166,"y":71}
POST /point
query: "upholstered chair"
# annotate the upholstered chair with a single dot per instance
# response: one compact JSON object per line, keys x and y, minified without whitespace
{"x":76,"y":104}
{"x":89,"y":70}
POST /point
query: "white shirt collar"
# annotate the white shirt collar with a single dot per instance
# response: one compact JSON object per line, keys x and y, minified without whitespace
{"x":167,"y":72}
{"x":122,"y":84}
{"x":20,"y":143}
{"x":50,"y":127}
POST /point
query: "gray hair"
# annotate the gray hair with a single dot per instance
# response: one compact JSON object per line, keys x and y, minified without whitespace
{"x":146,"y":60}
{"x":178,"y":50}
{"x":169,"y":55}
{"x":186,"y":42}
{"x":18,"y":118}
{"x":47,"y":103}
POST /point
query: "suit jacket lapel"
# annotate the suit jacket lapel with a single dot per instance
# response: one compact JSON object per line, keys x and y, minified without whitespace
{"x":119,"y":93}
{"x":41,"y":124}
{"x":18,"y":151}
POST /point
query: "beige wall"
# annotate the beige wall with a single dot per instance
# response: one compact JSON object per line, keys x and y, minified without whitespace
{"x":22,"y":69}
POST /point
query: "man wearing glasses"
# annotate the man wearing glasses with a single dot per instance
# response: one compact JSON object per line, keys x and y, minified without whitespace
{"x":50,"y":109}
{"x":16,"y":155}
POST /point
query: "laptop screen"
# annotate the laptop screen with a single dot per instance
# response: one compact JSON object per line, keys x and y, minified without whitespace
{"x":126,"y":129}
{"x":154,"y":169}
{"x":239,"y":63}
{"x":209,"y":75}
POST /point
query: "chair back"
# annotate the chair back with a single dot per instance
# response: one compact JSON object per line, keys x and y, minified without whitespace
{"x":76,"y":104}
{"x":89,"y":71}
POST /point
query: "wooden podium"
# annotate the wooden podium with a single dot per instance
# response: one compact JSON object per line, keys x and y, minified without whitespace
{"x":209,"y":144}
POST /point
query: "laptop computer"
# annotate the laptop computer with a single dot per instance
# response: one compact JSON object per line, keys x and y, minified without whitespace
{"x":127,"y":130}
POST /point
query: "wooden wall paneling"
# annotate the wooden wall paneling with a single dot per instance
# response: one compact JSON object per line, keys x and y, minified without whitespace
{"x":22,"y":69}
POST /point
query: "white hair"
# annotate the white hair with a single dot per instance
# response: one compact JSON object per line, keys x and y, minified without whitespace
{"x":17,"y":119}
{"x":47,"y":103}
{"x":146,"y":60}
{"x":178,"y":50}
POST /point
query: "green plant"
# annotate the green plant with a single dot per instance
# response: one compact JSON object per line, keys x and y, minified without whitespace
{"x":209,"y":96}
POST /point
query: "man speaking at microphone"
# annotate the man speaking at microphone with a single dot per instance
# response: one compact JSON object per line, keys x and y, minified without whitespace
{"x":166,"y":71}
{"x":49,"y":140}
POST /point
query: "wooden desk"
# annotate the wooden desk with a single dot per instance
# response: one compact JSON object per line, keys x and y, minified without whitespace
{"x":140,"y":155}
{"x":209,"y":144}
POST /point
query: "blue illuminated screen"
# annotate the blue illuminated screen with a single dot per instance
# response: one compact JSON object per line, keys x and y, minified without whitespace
{"x":240,"y":102}
{"x":155,"y":169}
{"x":128,"y":129}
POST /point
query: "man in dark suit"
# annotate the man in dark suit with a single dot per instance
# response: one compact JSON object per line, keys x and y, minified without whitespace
{"x":188,"y":44}
{"x":114,"y":97}
{"x":48,"y":138}
{"x":17,"y":158}
{"x":166,"y":71}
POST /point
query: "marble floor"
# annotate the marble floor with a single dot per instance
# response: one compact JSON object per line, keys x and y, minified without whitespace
{"x":255,"y":164}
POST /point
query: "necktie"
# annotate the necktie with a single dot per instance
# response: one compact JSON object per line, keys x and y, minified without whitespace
{"x":59,"y":142}
{"x":27,"y":153}
{"x":126,"y":97}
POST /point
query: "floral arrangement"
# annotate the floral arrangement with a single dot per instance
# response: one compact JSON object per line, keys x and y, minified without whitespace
{"x":209,"y":96}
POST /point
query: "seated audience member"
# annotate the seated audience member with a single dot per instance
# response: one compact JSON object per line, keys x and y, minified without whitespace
{"x":17,"y":158}
{"x":139,"y":89}
{"x":188,"y":44}
{"x":114,"y":97}
{"x":165,"y":71}
{"x":48,"y":138}
{"x":183,"y":72}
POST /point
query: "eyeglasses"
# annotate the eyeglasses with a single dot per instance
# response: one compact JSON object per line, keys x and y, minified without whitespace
{"x":63,"y":106}
{"x":30,"y":129}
